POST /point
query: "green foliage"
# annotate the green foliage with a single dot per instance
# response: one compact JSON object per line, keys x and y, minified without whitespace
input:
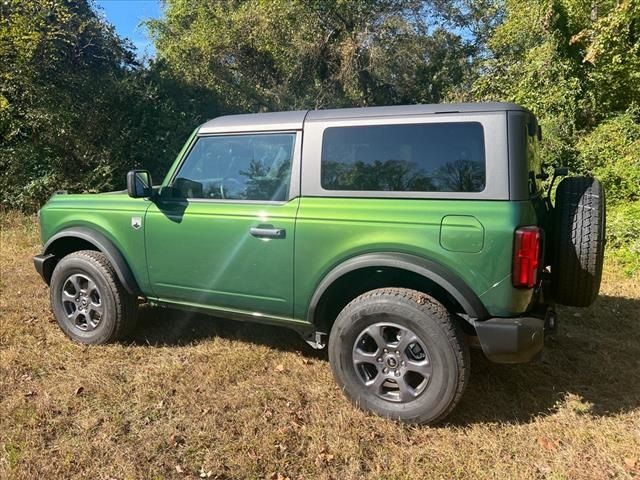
{"x":76,"y":109}
{"x":530,"y":64}
{"x":609,"y":44}
{"x":573,"y":63}
{"x":611,"y":152}
{"x":281,"y":54}
{"x":53,"y":55}
{"x":623,"y":235}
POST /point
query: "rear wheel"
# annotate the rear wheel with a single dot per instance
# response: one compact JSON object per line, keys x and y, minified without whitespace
{"x":578,"y":241}
{"x":88,"y":300}
{"x":399,"y":353}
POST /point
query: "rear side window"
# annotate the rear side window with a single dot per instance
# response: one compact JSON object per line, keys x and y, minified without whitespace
{"x":430,"y":157}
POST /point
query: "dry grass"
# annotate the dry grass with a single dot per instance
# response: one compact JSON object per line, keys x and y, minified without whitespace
{"x":193,"y":395}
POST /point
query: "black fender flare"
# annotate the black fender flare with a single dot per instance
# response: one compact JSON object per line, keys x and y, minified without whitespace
{"x":429,"y":269}
{"x":104,"y":245}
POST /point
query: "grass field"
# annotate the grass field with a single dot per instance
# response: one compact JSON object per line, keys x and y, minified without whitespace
{"x":196,"y":397}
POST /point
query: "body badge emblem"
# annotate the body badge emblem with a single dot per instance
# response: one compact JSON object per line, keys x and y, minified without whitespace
{"x":136,"y":222}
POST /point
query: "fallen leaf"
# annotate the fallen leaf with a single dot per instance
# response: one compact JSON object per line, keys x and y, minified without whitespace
{"x":79,"y":390}
{"x":30,"y":393}
{"x":630,"y":462}
{"x":280,"y":368}
{"x":323,"y":459}
{"x":306,"y":361}
{"x":179,"y":469}
{"x":547,"y":444}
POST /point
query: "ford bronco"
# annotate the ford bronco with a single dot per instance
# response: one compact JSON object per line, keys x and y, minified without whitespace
{"x":397,"y":236}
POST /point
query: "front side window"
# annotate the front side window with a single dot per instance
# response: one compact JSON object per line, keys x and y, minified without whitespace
{"x":430,"y":157}
{"x":238,"y":167}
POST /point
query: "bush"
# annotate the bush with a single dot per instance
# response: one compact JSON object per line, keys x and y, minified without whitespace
{"x":611,"y":152}
{"x":623,"y":235}
{"x":77,"y":110}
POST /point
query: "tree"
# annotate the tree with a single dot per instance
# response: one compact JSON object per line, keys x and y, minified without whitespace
{"x":573,"y":63}
{"x":576,"y":65}
{"x":53,"y":56}
{"x":76,"y":109}
{"x":278,"y":55}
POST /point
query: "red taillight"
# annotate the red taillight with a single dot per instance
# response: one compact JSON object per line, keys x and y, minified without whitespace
{"x":526,"y":257}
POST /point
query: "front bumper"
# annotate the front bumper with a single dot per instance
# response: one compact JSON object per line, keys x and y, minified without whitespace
{"x":44,"y":266}
{"x":515,"y":340}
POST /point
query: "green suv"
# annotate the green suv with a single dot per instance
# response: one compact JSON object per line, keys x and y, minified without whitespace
{"x":398,"y":236}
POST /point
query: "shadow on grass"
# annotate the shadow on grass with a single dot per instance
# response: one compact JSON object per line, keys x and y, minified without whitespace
{"x":168,"y":327}
{"x":592,"y":364}
{"x":595,"y":358}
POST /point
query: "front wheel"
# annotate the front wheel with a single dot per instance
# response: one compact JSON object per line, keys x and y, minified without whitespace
{"x":400,"y":354}
{"x":89,"y":302}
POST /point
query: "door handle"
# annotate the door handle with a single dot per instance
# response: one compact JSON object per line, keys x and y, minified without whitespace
{"x":267,"y":232}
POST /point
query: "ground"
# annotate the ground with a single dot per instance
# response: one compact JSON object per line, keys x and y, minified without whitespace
{"x":197,"y":397}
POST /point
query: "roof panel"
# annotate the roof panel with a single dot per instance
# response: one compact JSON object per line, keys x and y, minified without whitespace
{"x":401,"y":110}
{"x":256,"y":122}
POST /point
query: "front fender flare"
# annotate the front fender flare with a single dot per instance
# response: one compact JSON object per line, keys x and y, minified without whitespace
{"x":104,"y":245}
{"x":429,"y":269}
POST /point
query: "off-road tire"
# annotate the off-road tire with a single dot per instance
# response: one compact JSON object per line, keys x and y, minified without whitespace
{"x":579,"y":221}
{"x":432,"y":324}
{"x":119,"y":307}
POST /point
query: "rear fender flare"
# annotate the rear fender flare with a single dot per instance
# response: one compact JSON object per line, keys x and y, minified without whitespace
{"x":449,"y":281}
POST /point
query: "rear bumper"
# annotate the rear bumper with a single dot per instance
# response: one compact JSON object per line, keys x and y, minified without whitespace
{"x":515,"y":340}
{"x":44,"y":266}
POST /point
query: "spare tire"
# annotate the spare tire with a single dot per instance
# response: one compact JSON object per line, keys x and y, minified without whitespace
{"x":578,"y":241}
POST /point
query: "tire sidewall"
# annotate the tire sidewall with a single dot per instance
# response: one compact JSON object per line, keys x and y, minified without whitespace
{"x":576,"y":277}
{"x":107,"y":326}
{"x":443,"y":384}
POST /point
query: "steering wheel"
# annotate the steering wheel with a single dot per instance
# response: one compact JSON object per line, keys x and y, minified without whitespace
{"x":223,"y":190}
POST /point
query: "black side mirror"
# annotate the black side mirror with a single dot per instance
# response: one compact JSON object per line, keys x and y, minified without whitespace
{"x":139,"y":184}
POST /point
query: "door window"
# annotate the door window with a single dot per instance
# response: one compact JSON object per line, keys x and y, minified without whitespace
{"x":238,"y":167}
